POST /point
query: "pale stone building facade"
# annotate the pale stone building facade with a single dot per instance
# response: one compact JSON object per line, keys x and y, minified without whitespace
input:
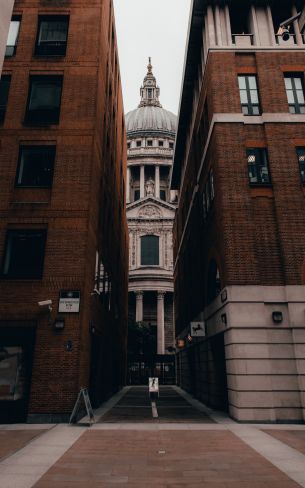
{"x":150,"y":213}
{"x":6,"y":9}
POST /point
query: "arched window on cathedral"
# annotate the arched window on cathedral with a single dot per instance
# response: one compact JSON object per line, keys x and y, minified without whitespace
{"x":214,"y":285}
{"x":150,"y":250}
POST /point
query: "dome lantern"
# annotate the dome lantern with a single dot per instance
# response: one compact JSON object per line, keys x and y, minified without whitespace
{"x":150,"y":91}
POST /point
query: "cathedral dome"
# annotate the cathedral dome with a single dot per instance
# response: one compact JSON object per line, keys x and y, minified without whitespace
{"x":150,"y":116}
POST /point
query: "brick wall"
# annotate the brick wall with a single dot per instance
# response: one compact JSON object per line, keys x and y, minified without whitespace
{"x":83,"y":212}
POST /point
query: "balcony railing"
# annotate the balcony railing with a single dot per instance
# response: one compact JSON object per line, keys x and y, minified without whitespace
{"x":291,"y":41}
{"x":160,"y":151}
{"x":243,"y":40}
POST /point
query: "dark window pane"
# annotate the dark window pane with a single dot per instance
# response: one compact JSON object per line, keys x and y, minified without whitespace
{"x":136,"y":195}
{"x":35,"y":167}
{"x":150,"y":250}
{"x":52,"y":36}
{"x":301,"y":158}
{"x":258,"y":166}
{"x":5,"y":82}
{"x":24,"y":254}
{"x":44,"y":100}
{"x":163,"y":195}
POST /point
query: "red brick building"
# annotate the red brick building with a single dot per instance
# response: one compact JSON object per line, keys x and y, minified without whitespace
{"x":240,"y":225}
{"x":63,"y":231}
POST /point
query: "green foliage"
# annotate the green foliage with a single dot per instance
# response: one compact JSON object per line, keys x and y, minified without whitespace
{"x":141,"y":339}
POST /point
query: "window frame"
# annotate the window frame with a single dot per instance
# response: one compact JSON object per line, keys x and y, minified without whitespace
{"x":39,"y":51}
{"x":297,"y":105}
{"x":249,"y":105}
{"x":15,"y":18}
{"x":37,"y":274}
{"x":261,"y":151}
{"x":52,"y":148}
{"x":39,"y":117}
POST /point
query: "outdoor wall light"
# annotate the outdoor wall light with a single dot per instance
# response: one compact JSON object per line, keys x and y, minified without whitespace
{"x":59,"y":323}
{"x":277,"y":317}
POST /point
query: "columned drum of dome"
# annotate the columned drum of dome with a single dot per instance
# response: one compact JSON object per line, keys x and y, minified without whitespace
{"x":151,"y":206}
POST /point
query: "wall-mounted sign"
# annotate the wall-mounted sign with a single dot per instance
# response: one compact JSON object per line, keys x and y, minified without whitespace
{"x":197,"y":329}
{"x":69,"y":302}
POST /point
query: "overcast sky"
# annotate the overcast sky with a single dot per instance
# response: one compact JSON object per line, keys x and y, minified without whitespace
{"x":158,"y":29}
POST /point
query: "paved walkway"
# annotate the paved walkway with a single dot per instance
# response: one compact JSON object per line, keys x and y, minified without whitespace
{"x":187,"y":446}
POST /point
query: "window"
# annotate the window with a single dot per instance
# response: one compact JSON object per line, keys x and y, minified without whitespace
{"x":161,"y":144}
{"x":295,"y":93}
{"x":150,"y":250}
{"x":5,"y":82}
{"x":52,"y":35}
{"x":35,"y":167}
{"x":249,"y":94}
{"x":149,"y":91}
{"x":171,"y":145}
{"x":136,"y":195}
{"x":240,"y":18}
{"x":149,"y":143}
{"x":163,"y":195}
{"x":43,"y":105}
{"x":128,"y":145}
{"x":301,"y":158}
{"x":24,"y":254}
{"x":258,"y":166}
{"x":139,"y":143}
{"x":11,"y":44}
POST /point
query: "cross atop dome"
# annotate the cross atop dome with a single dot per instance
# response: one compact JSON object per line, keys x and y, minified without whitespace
{"x":150,"y":91}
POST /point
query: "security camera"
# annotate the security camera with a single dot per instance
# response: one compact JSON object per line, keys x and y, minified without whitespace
{"x":285,"y":34}
{"x":45,"y":303}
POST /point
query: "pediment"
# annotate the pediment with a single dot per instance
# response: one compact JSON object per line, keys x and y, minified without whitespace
{"x":150,"y":208}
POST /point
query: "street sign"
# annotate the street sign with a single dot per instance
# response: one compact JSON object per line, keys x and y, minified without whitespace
{"x":302,"y":21}
{"x":69,"y":302}
{"x":153,"y":385}
{"x":83,"y":395}
{"x":197,"y":329}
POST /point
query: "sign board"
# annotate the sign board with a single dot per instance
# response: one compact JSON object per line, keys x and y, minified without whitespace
{"x":69,"y":302}
{"x":197,"y":329}
{"x":302,"y":21}
{"x":153,"y":385}
{"x":83,"y":395}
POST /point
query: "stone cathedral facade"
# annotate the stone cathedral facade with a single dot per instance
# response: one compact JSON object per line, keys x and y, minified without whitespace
{"x":150,"y":213}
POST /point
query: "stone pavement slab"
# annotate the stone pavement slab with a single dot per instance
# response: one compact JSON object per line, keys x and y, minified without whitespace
{"x":26,"y":466}
{"x":213,"y":459}
{"x":293,"y":438}
{"x":13,"y":440}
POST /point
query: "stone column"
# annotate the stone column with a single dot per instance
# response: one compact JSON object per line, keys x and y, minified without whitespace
{"x":271,"y":27}
{"x":218,"y":26}
{"x":139,"y":306}
{"x":160,"y":323}
{"x":157,"y":181}
{"x":298,"y":34}
{"x":128,"y":186}
{"x":142,"y":181}
{"x":255,"y":26}
{"x":228,"y":26}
